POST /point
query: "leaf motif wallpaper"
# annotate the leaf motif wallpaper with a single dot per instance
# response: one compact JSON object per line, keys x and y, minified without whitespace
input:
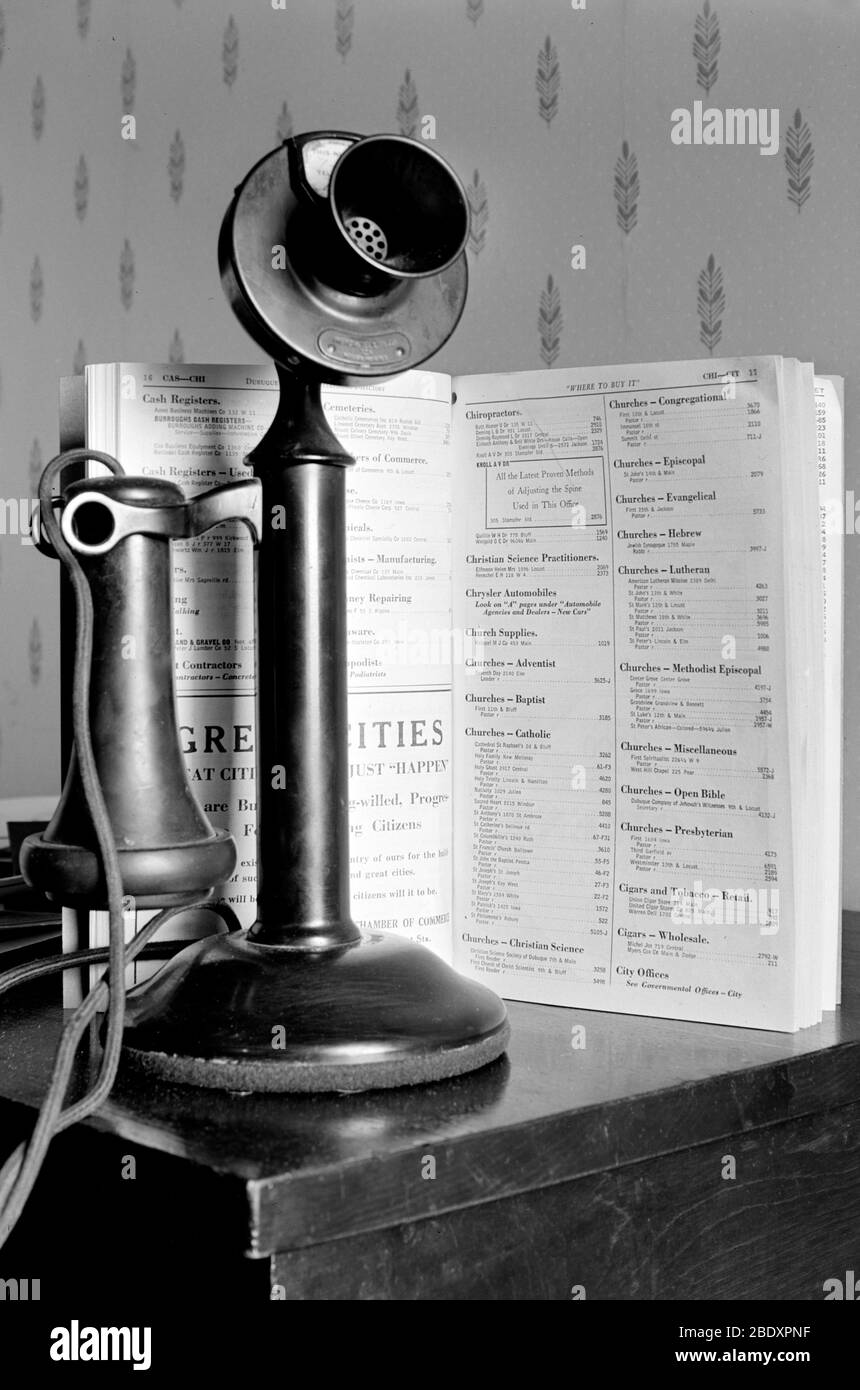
{"x":706,"y":47}
{"x":799,"y":155}
{"x":126,"y":126}
{"x":626,"y":188}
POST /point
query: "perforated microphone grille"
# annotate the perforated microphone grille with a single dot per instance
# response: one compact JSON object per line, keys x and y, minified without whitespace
{"x":369,"y":236}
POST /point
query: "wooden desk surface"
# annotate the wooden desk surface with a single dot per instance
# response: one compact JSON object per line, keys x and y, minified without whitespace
{"x":301,"y":1173}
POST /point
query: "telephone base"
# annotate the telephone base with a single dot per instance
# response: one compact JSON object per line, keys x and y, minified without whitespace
{"x":230,"y":1014}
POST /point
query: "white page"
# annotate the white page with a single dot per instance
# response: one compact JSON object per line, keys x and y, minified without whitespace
{"x":830,"y":468}
{"x":400,"y":652}
{"x":606,"y":789}
{"x":804,"y":667}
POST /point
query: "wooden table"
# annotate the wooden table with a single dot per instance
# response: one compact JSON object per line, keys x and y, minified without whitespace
{"x":557,"y":1170}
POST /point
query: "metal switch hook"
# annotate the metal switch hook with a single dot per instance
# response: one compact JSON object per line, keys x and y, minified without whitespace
{"x":93,"y":522}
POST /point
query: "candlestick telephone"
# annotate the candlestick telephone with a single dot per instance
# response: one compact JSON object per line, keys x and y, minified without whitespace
{"x":343,"y":256}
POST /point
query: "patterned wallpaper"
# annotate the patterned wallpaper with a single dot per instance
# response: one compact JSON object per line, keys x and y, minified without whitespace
{"x":125,"y":127}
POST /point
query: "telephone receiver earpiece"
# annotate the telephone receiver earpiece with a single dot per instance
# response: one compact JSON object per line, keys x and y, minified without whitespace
{"x":346,"y":254}
{"x":120,"y":529}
